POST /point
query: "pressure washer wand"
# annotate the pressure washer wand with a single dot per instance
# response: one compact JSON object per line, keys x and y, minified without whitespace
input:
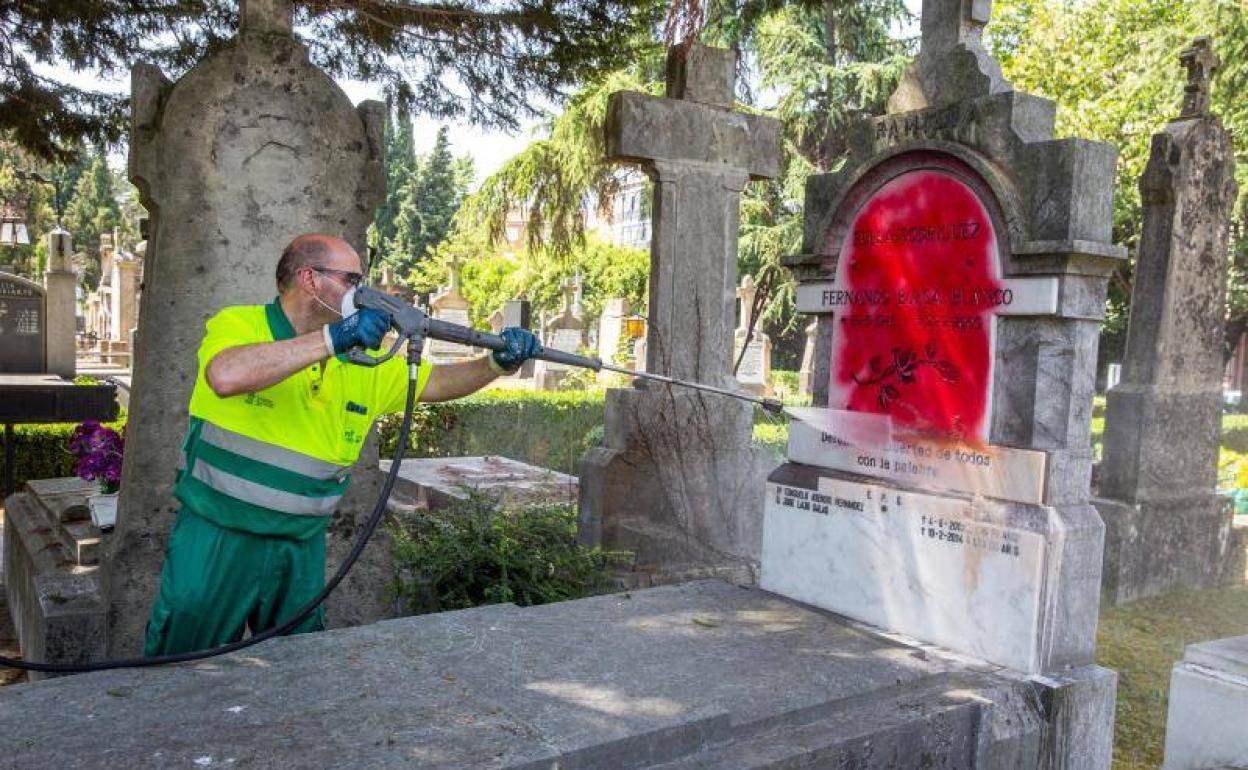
{"x":770,"y":404}
{"x":414,"y":325}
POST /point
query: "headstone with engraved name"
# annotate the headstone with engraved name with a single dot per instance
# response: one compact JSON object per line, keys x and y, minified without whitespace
{"x":957,"y":267}
{"x":23,"y":322}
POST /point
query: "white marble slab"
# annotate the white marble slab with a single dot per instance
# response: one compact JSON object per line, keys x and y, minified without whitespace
{"x":1026,"y":296}
{"x":1208,"y":703}
{"x":927,"y":566}
{"x":869,"y":445}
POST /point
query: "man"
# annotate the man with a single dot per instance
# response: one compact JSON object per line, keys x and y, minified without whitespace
{"x":277,"y":420}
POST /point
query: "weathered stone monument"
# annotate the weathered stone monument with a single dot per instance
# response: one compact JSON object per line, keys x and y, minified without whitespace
{"x":566,"y":332}
{"x":613,"y":340}
{"x":753,"y":347}
{"x":59,"y":284}
{"x":23,"y":326}
{"x":1166,"y":527}
{"x":251,"y":147}
{"x":957,"y":265}
{"x":450,"y":305}
{"x":677,"y":480}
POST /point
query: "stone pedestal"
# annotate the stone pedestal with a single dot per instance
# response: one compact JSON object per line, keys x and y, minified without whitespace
{"x":676,"y":479}
{"x":251,"y":147}
{"x":59,"y":284}
{"x":51,"y":572}
{"x":1208,"y":698}
{"x":1166,"y":527}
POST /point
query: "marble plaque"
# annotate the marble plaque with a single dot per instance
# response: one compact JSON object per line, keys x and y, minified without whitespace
{"x":22,"y":334}
{"x":567,"y":340}
{"x":456,"y":316}
{"x":872,"y":445}
{"x":751,"y":370}
{"x":939,"y":568}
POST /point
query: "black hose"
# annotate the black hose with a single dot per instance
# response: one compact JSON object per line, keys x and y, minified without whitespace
{"x":285,"y":628}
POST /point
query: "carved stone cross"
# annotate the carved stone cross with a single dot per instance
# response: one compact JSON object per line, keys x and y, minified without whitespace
{"x":265,"y":16}
{"x":1201,"y":62}
{"x":746,"y":293}
{"x":453,"y":267}
{"x":946,"y":23}
{"x":570,"y":288}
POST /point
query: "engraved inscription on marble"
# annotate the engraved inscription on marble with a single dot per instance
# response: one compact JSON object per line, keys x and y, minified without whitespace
{"x":939,"y":568}
{"x":751,"y":369}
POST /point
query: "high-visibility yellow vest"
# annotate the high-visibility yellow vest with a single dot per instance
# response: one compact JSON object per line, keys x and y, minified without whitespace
{"x":277,"y":461}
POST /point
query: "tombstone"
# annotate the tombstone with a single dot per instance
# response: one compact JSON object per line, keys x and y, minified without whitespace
{"x":23,"y":326}
{"x":754,"y":356}
{"x":613,"y":341}
{"x":59,"y":285}
{"x":566,"y":331}
{"x":449,"y":305}
{"x":440,"y":483}
{"x":957,"y":267}
{"x":1166,"y":527}
{"x":1207,"y":687}
{"x":249,"y":148}
{"x":676,"y":480}
{"x":806,"y":375}
{"x":1113,"y":376}
{"x":123,"y":304}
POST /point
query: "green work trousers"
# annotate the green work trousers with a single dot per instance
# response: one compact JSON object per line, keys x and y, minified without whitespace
{"x":216,"y":581}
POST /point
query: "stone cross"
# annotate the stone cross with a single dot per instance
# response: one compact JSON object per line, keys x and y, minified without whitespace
{"x":571,"y":287}
{"x":1201,"y":62}
{"x":453,"y":268}
{"x":746,"y":292}
{"x":700,"y":154}
{"x":946,"y":23}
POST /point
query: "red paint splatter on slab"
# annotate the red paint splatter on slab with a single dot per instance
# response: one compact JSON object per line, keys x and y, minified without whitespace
{"x":916,"y":291}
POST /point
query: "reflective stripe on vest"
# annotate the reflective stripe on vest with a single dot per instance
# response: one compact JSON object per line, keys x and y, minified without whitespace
{"x":274,"y":455}
{"x":263,"y":474}
{"x":265,"y":497}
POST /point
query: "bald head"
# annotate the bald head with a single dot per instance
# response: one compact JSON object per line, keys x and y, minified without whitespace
{"x":314,"y":250}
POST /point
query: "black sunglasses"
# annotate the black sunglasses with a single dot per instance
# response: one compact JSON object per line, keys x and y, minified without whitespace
{"x":352,"y":279}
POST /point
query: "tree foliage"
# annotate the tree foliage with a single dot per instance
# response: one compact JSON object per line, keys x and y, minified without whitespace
{"x":430,"y":197}
{"x":93,"y":211}
{"x":1113,"y":68}
{"x":485,"y":61}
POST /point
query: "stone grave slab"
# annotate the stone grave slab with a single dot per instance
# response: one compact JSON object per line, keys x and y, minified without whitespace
{"x":51,"y":572}
{"x":695,"y":676}
{"x":23,"y":318}
{"x":1208,"y":698}
{"x":436,"y":483}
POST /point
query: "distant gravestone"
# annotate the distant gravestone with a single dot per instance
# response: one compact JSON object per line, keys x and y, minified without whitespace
{"x":60,"y":284}
{"x":251,"y":147}
{"x":806,"y":375}
{"x":677,"y":480}
{"x":566,"y":332}
{"x":1166,"y":527}
{"x":754,"y":356}
{"x":957,"y":265}
{"x":612,"y":337}
{"x":450,"y":306}
{"x":23,"y":326}
{"x":519,"y":313}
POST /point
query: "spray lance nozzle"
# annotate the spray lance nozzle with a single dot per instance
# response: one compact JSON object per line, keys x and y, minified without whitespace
{"x":414,"y":326}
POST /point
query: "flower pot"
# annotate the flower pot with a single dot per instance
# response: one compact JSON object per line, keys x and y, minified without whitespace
{"x":103,"y":510}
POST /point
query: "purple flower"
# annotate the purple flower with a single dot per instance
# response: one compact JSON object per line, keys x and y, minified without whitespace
{"x":99,"y":451}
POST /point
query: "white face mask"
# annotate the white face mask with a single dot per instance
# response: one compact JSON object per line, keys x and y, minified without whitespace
{"x":346,"y":308}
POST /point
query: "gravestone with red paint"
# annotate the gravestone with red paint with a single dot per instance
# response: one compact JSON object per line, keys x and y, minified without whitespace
{"x":956,"y":267}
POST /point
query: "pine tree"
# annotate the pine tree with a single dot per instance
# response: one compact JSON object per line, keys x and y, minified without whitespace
{"x":400,"y":160}
{"x":428,"y":205}
{"x":93,"y":211}
{"x":508,"y":54}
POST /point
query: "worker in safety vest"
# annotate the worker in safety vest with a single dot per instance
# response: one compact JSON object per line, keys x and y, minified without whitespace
{"x":277,"y":420}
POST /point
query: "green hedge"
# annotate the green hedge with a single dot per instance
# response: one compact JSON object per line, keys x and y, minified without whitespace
{"x":41,"y":451}
{"x":550,"y":429}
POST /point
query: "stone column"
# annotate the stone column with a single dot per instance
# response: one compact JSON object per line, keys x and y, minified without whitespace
{"x":124,"y":300}
{"x":1165,"y":526}
{"x":59,"y":283}
{"x":676,"y":480}
{"x":251,"y":147}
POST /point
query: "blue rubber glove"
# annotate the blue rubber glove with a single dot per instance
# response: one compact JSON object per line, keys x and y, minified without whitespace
{"x":522,"y":345}
{"x":363,"y":329}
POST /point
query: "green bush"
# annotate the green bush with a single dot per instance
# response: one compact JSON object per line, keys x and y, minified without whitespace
{"x":549,"y":429}
{"x":477,"y":553}
{"x":41,"y":451}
